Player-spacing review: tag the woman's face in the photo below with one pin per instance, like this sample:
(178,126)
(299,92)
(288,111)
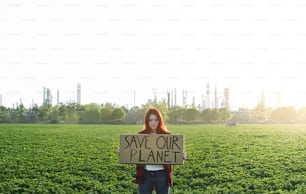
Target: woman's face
(153,122)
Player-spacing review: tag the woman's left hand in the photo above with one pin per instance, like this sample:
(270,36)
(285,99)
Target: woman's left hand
(184,155)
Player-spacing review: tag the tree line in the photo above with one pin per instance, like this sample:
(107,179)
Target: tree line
(109,113)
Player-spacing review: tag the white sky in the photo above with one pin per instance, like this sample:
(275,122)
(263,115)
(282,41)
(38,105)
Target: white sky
(116,47)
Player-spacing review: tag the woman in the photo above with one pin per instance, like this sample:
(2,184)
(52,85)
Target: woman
(154,177)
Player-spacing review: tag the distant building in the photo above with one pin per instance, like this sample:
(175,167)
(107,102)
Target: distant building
(226,103)
(57,97)
(168,100)
(193,102)
(207,103)
(47,96)
(185,98)
(79,93)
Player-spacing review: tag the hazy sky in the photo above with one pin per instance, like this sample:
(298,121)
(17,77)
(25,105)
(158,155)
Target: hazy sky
(116,47)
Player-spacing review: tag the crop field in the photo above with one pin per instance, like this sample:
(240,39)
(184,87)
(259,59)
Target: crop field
(220,159)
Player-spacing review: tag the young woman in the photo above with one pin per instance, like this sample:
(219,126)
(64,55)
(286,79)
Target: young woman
(154,177)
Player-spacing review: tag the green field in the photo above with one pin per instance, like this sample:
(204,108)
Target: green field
(84,159)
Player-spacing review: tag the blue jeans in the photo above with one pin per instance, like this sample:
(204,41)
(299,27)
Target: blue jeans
(157,179)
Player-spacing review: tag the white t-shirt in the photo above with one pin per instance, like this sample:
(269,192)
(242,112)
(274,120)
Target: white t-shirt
(150,167)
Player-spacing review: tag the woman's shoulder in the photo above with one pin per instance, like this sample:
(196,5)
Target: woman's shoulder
(165,132)
(142,131)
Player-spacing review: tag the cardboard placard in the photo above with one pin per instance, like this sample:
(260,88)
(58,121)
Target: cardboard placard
(151,149)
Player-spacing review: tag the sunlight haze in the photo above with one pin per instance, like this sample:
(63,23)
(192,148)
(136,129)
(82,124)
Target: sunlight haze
(128,52)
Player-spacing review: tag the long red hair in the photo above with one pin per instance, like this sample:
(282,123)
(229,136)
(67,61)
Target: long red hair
(162,129)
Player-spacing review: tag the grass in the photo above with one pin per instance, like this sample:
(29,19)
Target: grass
(220,159)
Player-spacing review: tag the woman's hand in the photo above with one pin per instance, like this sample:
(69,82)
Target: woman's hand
(184,155)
